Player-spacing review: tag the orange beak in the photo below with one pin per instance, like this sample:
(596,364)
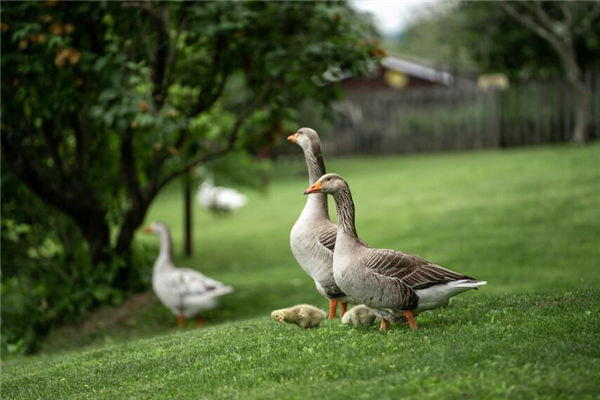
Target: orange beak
(293,138)
(316,187)
(148,229)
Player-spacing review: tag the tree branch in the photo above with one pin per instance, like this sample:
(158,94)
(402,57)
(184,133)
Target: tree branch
(204,102)
(80,141)
(527,21)
(231,139)
(81,128)
(129,168)
(566,12)
(88,214)
(160,57)
(558,41)
(160,17)
(53,147)
(159,159)
(207,96)
(544,20)
(26,169)
(143,35)
(172,58)
(590,17)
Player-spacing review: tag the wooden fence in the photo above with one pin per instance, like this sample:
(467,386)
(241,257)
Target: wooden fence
(441,119)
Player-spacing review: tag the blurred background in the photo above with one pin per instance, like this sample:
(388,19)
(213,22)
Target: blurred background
(114,114)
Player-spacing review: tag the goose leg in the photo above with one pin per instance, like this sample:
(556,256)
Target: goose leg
(332,308)
(384,324)
(199,321)
(343,309)
(180,320)
(410,318)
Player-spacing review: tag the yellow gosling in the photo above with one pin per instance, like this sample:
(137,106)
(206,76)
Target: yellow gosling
(303,315)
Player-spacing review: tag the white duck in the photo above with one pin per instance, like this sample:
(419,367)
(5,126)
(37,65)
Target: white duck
(392,283)
(312,237)
(184,291)
(218,198)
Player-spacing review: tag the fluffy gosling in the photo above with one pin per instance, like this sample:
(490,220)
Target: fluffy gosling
(303,315)
(359,315)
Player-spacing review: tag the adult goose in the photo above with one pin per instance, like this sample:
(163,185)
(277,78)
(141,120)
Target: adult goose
(312,237)
(219,199)
(184,291)
(392,283)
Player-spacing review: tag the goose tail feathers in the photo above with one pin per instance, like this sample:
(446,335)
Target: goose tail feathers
(467,283)
(223,290)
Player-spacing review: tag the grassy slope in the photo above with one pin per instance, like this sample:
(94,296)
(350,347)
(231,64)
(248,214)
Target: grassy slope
(524,220)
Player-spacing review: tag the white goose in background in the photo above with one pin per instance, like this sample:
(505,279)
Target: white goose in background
(218,198)
(392,283)
(184,291)
(312,237)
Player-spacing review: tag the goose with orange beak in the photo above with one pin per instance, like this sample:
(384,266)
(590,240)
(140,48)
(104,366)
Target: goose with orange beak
(184,291)
(312,238)
(395,285)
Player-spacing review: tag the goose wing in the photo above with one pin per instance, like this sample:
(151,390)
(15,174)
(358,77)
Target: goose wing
(399,275)
(327,235)
(412,271)
(189,282)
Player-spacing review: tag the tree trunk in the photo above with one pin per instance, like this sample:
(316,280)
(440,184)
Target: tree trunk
(133,219)
(128,277)
(579,94)
(76,200)
(187,214)
(560,35)
(95,231)
(581,103)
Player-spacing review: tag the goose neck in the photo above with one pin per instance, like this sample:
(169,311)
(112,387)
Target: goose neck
(314,162)
(166,245)
(316,207)
(316,169)
(345,213)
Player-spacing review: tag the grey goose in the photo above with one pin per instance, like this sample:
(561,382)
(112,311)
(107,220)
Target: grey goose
(392,283)
(312,238)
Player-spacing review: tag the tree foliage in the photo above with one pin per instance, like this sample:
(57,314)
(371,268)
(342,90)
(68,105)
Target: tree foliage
(434,35)
(484,36)
(103,104)
(498,42)
(560,26)
(524,39)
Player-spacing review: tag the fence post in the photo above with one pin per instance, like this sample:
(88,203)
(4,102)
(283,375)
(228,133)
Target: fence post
(494,125)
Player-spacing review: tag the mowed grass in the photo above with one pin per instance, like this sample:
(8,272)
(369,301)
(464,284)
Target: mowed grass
(525,220)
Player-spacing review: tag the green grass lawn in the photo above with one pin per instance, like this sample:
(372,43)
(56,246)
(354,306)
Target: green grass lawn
(526,220)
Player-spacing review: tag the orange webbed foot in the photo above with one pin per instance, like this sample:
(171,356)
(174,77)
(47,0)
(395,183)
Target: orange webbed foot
(343,309)
(384,325)
(410,318)
(332,308)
